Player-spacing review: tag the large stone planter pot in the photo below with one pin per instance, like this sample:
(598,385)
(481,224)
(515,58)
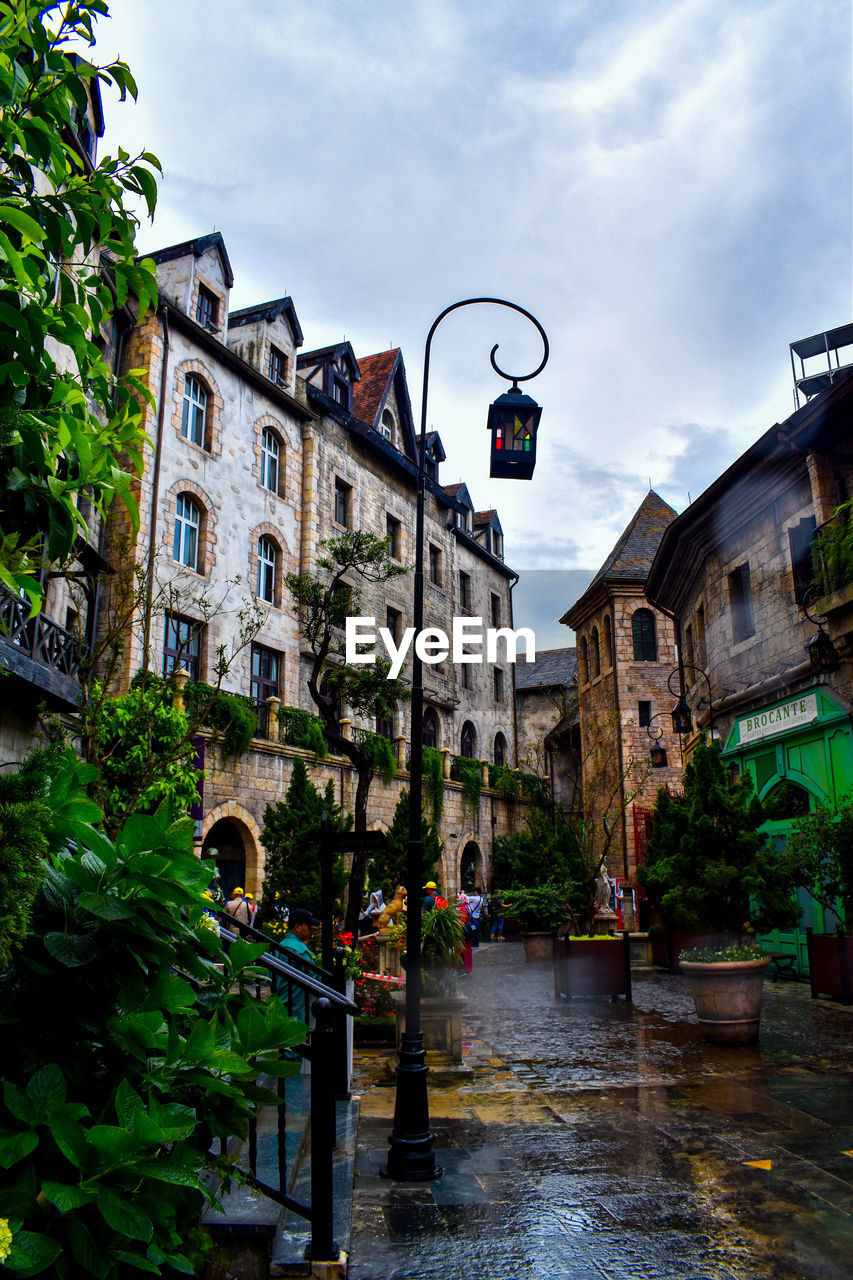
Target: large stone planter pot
(441,1022)
(538,947)
(831,965)
(727,996)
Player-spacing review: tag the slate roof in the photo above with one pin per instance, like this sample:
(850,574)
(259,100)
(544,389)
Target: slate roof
(198,246)
(631,558)
(268,311)
(376,373)
(553,668)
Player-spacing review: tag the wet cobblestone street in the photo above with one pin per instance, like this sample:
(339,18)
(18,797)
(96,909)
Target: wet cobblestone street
(600,1140)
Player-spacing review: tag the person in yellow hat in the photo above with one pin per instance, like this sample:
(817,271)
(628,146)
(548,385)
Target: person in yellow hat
(238,907)
(433,898)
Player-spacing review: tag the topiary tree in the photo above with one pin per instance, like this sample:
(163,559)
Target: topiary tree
(708,867)
(819,854)
(291,837)
(389,867)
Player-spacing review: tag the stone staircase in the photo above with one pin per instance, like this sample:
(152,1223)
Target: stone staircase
(254,1238)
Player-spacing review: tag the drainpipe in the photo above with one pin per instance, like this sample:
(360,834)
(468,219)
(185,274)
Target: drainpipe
(618,733)
(163,312)
(512,585)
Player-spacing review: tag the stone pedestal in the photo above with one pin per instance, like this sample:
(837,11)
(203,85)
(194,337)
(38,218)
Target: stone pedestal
(605,921)
(441,1022)
(387,957)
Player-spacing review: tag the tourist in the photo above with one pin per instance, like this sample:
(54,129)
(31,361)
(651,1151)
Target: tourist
(475,907)
(237,906)
(462,903)
(295,947)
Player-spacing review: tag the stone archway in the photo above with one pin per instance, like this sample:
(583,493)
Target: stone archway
(471,865)
(234,833)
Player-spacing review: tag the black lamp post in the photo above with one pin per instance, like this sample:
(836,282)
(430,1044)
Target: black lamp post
(410,1156)
(657,753)
(819,649)
(682,718)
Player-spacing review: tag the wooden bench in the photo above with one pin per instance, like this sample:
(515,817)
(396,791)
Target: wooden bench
(783,963)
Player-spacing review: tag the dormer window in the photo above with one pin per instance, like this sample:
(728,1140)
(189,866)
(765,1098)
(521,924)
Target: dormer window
(430,465)
(463,520)
(277,367)
(207,309)
(341,391)
(498,544)
(386,425)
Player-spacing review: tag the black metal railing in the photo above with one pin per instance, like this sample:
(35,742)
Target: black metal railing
(296,981)
(38,638)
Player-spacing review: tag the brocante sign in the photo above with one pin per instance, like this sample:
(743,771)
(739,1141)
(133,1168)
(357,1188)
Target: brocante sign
(789,715)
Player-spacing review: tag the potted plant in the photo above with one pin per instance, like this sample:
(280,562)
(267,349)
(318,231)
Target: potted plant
(592,965)
(539,910)
(442,940)
(820,856)
(710,871)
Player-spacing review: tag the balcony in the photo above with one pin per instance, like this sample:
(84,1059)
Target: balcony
(38,650)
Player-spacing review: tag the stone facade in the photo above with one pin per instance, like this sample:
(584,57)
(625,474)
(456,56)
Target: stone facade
(259,454)
(626,657)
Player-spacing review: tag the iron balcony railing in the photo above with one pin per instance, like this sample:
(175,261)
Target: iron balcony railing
(38,638)
(325,1048)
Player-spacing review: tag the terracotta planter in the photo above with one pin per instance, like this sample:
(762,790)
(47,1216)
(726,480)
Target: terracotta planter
(831,965)
(727,996)
(538,947)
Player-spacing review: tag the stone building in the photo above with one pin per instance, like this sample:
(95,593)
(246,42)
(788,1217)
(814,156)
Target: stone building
(625,657)
(260,453)
(546,695)
(734,572)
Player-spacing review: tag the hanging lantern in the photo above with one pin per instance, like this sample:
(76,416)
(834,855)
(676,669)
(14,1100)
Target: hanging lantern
(821,652)
(682,720)
(658,756)
(513,422)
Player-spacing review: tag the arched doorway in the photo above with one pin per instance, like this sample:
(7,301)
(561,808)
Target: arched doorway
(469,867)
(224,836)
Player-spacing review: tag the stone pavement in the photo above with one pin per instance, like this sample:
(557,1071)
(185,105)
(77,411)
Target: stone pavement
(596,1140)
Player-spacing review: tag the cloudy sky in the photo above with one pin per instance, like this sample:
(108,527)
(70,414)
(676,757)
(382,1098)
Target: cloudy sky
(665,184)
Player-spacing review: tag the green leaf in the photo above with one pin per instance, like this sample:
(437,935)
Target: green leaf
(128,1104)
(15,1146)
(136,1260)
(31,1253)
(123,1216)
(65,1197)
(90,1256)
(47,1086)
(112,1142)
(71,1140)
(71,949)
(22,222)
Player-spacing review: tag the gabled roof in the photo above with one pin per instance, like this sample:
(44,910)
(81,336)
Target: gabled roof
(631,558)
(369,396)
(459,493)
(551,669)
(269,311)
(434,447)
(198,248)
(325,355)
(483,519)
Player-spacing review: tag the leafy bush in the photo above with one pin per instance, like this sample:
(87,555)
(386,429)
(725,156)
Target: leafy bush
(503,780)
(233,719)
(707,866)
(433,776)
(819,855)
(145,1050)
(719,955)
(381,754)
(390,865)
(543,907)
(832,551)
(25,821)
(141,741)
(291,837)
(470,774)
(302,729)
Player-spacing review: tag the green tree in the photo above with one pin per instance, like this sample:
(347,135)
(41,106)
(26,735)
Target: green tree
(708,867)
(291,837)
(819,854)
(25,820)
(132,1043)
(68,425)
(324,601)
(389,867)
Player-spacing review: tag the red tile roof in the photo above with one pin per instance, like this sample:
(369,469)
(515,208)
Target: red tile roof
(375,375)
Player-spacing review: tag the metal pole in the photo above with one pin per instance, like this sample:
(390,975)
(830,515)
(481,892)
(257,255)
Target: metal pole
(323,1246)
(410,1156)
(326,903)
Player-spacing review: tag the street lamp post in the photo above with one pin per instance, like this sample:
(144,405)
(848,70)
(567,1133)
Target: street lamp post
(681,714)
(515,416)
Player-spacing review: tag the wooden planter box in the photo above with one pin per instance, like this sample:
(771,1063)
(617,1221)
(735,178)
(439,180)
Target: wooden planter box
(831,965)
(589,967)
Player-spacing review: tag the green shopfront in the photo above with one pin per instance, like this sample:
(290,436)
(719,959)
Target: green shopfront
(800,754)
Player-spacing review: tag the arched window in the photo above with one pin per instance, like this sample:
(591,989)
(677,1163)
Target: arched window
(596,654)
(386,425)
(500,749)
(194,411)
(185,548)
(583,661)
(608,642)
(468,744)
(270,460)
(430,729)
(643,633)
(267,569)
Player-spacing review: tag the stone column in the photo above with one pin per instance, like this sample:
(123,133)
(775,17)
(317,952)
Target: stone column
(180,678)
(273,727)
(445,762)
(400,753)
